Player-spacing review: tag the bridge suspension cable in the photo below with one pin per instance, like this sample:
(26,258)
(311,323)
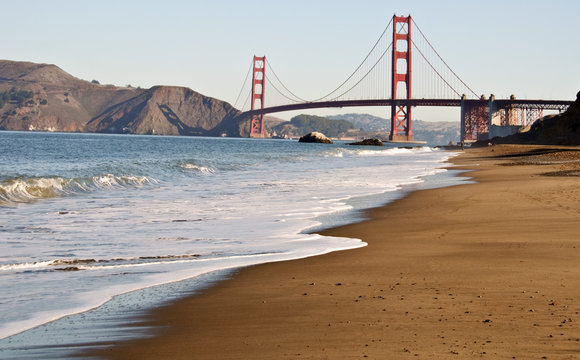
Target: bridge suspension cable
(360,65)
(296,98)
(362,78)
(246,105)
(279,92)
(433,68)
(450,70)
(244,87)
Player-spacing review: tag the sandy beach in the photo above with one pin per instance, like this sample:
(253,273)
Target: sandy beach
(489,269)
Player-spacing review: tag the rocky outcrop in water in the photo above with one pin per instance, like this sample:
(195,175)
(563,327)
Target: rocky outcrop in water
(368,142)
(315,137)
(42,97)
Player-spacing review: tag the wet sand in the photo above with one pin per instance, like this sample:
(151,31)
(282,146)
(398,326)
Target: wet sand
(484,270)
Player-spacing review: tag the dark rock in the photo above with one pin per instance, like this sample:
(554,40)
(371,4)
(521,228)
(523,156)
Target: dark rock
(315,137)
(369,142)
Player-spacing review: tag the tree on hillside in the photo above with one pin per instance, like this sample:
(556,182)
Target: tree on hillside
(3,99)
(20,97)
(331,128)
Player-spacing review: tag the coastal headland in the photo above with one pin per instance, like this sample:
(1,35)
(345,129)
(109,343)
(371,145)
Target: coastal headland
(487,269)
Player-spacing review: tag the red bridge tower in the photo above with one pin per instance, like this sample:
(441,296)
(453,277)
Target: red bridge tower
(258,81)
(401,111)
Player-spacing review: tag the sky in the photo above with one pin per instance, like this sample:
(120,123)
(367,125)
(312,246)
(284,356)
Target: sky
(527,48)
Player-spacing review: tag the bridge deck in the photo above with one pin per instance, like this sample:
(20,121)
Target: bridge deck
(500,103)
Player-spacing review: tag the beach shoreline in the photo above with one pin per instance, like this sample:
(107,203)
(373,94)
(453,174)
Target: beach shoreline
(478,269)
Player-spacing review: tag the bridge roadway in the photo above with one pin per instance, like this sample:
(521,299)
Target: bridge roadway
(559,105)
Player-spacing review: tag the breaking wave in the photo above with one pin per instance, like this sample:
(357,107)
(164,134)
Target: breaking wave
(197,168)
(90,264)
(23,190)
(342,152)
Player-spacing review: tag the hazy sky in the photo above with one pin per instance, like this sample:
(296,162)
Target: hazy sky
(527,48)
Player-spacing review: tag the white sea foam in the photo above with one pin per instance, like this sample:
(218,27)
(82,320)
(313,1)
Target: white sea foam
(25,266)
(376,151)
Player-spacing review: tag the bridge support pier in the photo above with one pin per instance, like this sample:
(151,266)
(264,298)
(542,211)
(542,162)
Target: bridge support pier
(518,115)
(258,82)
(401,111)
(401,123)
(475,118)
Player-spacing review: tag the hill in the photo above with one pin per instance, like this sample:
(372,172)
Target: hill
(437,132)
(43,97)
(167,110)
(364,122)
(304,124)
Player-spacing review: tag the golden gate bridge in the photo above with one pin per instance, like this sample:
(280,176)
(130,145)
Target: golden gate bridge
(401,72)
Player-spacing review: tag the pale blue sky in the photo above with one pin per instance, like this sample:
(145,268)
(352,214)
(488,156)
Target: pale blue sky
(528,48)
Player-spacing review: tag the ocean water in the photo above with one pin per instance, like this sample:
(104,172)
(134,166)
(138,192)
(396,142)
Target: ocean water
(86,217)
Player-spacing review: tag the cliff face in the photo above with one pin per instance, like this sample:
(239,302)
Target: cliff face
(167,110)
(60,102)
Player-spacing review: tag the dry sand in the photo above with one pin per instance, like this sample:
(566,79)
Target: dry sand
(485,270)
